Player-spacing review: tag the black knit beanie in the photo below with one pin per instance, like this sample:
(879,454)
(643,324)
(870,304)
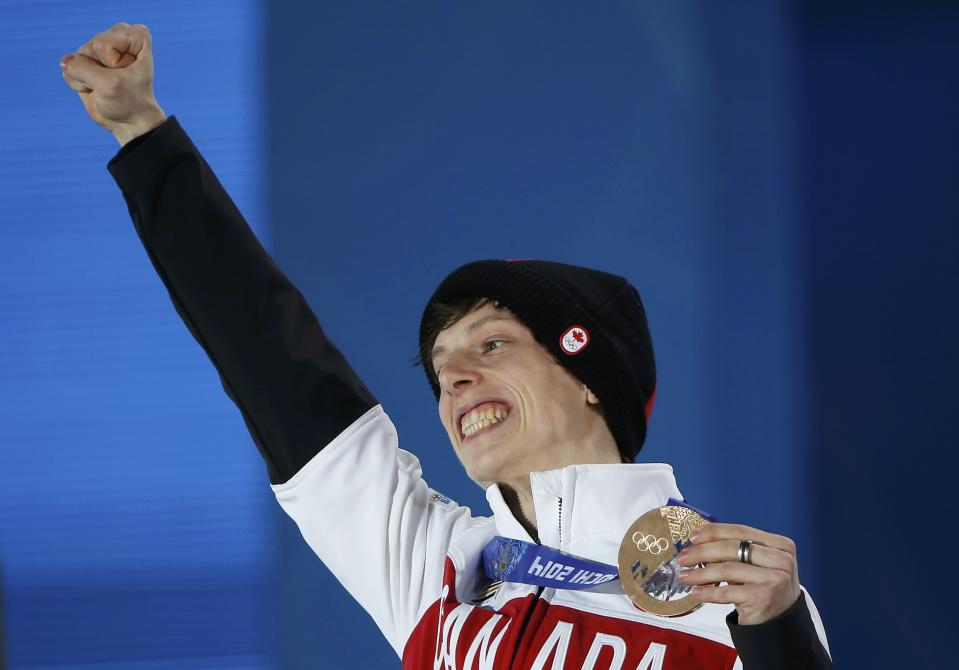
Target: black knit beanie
(592,322)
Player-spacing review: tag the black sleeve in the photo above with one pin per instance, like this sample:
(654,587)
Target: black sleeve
(783,643)
(294,389)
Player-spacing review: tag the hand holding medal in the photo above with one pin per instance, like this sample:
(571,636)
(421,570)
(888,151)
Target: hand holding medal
(749,568)
(672,559)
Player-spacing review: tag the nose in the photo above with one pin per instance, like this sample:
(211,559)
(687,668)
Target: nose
(459,373)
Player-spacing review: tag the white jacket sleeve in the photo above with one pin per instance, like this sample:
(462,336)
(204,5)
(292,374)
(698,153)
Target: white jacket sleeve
(330,450)
(362,505)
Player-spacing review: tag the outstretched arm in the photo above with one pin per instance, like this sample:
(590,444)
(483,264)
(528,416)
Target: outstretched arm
(360,502)
(295,390)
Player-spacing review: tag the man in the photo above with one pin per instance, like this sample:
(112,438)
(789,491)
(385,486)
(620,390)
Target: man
(545,378)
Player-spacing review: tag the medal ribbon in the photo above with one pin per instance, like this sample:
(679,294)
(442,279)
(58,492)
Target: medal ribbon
(509,560)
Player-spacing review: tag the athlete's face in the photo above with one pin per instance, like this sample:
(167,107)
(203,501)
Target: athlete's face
(509,408)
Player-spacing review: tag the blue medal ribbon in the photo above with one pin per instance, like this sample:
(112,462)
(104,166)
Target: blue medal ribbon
(509,560)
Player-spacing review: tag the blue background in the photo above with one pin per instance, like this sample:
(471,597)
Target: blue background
(777,179)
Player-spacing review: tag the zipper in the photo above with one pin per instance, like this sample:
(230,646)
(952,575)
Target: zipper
(560,547)
(539,591)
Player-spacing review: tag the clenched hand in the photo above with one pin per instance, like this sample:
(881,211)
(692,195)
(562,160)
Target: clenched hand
(113,75)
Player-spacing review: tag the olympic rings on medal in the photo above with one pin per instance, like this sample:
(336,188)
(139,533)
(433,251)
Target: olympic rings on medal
(650,543)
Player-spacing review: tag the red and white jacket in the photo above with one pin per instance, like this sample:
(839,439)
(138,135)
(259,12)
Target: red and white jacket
(416,564)
(409,555)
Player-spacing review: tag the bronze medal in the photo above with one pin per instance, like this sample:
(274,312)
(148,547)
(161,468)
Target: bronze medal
(648,568)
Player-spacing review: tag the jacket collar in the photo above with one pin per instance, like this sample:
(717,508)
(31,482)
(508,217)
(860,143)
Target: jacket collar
(586,509)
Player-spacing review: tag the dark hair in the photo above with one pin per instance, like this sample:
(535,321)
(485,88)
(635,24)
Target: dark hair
(439,317)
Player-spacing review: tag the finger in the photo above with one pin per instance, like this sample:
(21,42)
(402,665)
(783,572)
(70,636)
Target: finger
(733,573)
(88,72)
(117,47)
(733,531)
(86,49)
(728,550)
(125,38)
(109,52)
(730,594)
(76,85)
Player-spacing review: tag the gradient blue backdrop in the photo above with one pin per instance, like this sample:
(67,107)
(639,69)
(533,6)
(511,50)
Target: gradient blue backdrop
(777,179)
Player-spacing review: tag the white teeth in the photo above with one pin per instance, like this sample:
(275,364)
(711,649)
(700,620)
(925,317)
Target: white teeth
(478,420)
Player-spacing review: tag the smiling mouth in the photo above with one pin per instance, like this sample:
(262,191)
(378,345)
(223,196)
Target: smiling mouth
(482,417)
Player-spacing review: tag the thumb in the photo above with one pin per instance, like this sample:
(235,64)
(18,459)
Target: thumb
(87,71)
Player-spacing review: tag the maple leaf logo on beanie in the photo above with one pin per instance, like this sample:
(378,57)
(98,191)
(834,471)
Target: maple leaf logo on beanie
(574,340)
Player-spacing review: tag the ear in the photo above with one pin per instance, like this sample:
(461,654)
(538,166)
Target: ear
(591,398)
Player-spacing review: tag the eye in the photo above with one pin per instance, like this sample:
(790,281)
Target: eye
(492,345)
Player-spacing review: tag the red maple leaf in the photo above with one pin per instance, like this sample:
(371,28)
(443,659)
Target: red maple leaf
(578,336)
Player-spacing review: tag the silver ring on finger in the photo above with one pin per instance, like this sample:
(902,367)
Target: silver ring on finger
(745,551)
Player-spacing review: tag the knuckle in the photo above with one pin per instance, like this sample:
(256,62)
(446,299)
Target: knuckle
(792,566)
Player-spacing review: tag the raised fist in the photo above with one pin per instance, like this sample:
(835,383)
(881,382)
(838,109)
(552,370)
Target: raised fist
(113,75)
